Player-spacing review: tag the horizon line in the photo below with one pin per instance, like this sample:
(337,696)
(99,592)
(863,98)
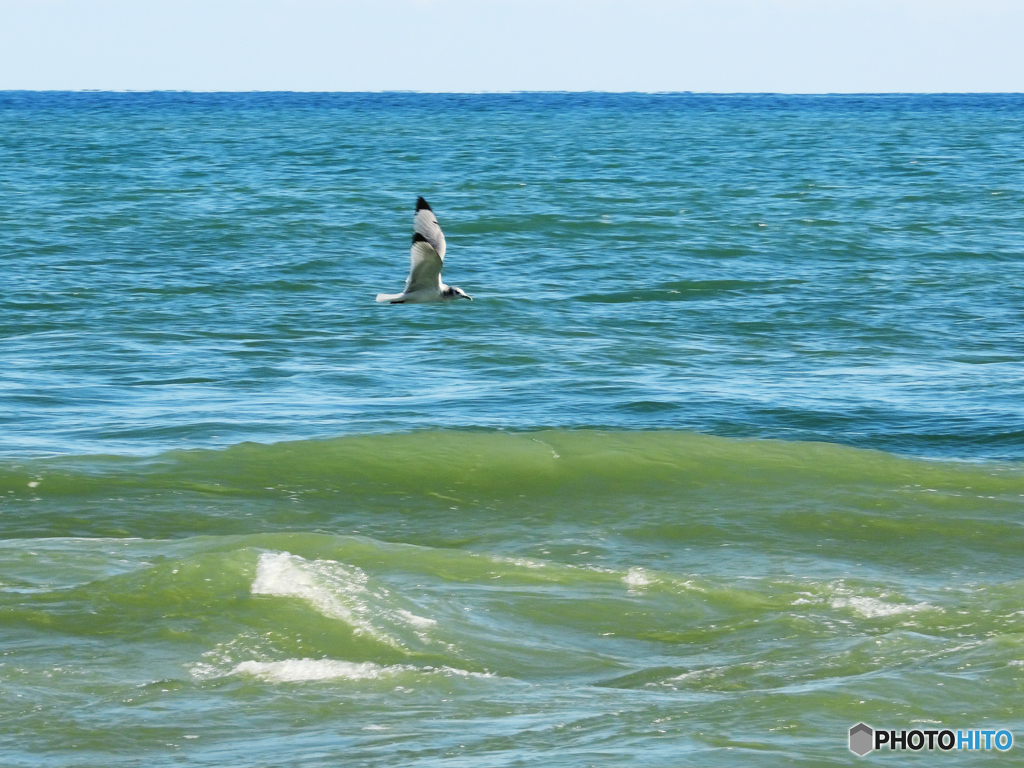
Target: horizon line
(405,91)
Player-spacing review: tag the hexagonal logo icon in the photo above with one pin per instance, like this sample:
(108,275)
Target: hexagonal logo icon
(862,739)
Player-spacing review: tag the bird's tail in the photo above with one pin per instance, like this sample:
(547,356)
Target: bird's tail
(388,296)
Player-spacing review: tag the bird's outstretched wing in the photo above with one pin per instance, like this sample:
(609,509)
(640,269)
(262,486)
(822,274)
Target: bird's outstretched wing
(425,267)
(425,224)
(428,246)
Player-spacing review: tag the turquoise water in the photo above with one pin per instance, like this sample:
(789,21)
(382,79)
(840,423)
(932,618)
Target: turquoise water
(723,458)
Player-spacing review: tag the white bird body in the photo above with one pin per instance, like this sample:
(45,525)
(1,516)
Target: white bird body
(426,261)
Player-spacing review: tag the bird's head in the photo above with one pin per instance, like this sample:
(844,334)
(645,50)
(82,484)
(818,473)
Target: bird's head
(458,293)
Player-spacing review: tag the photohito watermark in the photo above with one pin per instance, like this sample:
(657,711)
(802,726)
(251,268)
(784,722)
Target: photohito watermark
(864,739)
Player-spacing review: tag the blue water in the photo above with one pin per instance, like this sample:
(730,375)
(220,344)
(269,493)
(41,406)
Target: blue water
(185,269)
(723,458)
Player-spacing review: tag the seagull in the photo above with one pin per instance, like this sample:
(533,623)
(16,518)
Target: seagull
(424,280)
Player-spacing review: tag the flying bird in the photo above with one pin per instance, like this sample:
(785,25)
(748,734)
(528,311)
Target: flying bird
(424,280)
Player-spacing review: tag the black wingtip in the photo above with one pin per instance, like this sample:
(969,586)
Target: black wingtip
(418,238)
(421,204)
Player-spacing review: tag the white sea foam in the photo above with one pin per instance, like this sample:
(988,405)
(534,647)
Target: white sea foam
(637,578)
(873,607)
(333,589)
(414,620)
(308,670)
(338,591)
(520,562)
(839,596)
(300,670)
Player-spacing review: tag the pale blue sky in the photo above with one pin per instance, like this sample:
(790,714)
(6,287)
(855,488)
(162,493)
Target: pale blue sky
(794,46)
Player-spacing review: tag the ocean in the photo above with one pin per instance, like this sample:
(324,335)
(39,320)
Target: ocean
(724,457)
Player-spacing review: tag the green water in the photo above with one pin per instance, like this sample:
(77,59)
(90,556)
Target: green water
(572,597)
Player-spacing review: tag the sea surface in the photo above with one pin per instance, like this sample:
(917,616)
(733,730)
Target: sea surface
(725,456)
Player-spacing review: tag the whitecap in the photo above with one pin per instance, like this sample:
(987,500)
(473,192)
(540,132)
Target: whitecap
(337,591)
(282,574)
(311,670)
(872,607)
(636,578)
(302,670)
